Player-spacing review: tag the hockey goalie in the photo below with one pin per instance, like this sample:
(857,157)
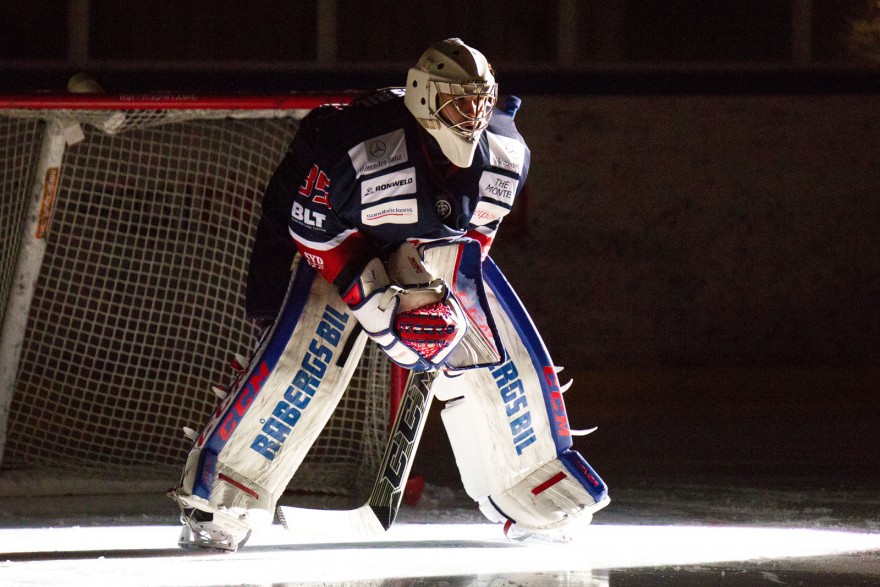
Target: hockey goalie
(377,225)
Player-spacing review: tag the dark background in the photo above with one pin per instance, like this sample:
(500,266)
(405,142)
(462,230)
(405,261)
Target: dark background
(699,238)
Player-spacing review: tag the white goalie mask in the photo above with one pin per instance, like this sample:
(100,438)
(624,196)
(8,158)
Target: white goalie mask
(452,91)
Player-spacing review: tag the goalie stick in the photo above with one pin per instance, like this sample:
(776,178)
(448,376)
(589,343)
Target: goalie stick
(378,514)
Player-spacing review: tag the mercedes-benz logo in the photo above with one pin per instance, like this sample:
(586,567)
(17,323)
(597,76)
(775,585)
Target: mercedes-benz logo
(377,149)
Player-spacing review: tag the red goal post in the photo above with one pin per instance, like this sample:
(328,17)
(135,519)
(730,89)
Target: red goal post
(126,227)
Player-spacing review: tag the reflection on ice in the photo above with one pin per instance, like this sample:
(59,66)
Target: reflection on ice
(409,554)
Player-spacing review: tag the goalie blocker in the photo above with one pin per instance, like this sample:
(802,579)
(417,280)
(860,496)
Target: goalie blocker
(505,415)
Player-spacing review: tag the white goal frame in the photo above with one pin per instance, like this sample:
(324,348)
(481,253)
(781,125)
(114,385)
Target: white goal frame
(42,192)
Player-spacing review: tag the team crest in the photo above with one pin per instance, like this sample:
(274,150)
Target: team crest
(443,208)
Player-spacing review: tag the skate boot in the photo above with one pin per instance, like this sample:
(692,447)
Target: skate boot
(207,531)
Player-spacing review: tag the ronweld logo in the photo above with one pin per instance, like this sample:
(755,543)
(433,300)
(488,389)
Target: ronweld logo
(391,184)
(515,405)
(388,186)
(287,411)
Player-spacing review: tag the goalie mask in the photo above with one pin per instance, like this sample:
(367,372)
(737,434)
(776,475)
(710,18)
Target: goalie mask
(452,91)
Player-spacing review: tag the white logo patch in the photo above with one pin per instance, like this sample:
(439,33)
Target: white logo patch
(378,153)
(487,212)
(397,212)
(506,153)
(386,186)
(498,187)
(314,260)
(308,217)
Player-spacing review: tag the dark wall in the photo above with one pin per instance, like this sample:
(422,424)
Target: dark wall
(701,230)
(707,269)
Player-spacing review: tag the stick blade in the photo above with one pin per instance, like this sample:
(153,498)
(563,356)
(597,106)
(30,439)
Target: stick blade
(359,522)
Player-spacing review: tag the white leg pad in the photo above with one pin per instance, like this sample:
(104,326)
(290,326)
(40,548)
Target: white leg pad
(548,499)
(466,436)
(510,434)
(261,432)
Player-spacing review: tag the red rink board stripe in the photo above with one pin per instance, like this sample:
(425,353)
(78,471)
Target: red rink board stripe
(304,101)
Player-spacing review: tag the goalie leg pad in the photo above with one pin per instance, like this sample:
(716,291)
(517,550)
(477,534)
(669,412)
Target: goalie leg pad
(510,433)
(549,498)
(276,408)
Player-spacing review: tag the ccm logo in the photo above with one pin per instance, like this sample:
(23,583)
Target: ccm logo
(243,402)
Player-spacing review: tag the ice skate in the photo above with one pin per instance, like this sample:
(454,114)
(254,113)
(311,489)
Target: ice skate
(207,531)
(515,534)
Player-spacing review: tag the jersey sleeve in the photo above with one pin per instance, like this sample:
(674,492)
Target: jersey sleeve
(500,184)
(330,244)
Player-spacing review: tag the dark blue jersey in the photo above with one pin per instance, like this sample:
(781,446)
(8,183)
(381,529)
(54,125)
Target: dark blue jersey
(361,179)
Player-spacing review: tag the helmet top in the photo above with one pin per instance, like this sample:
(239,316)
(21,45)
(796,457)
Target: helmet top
(451,91)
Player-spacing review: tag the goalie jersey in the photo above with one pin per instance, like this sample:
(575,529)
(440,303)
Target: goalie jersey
(360,179)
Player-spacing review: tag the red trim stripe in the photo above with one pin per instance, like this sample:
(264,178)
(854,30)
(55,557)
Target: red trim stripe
(172,102)
(238,485)
(485,240)
(549,483)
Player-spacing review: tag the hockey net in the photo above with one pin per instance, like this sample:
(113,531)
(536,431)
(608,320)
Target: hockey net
(138,304)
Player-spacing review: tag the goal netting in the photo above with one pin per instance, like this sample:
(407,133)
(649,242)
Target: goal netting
(131,220)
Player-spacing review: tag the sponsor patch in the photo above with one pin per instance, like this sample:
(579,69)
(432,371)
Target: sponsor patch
(397,212)
(47,202)
(487,212)
(498,187)
(506,153)
(305,217)
(387,186)
(378,153)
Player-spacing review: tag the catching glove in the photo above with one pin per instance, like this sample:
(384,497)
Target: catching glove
(417,324)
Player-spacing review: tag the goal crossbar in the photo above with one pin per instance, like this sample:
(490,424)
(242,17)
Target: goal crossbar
(170,101)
